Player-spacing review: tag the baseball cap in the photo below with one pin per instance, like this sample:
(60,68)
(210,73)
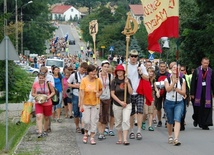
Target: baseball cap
(105,62)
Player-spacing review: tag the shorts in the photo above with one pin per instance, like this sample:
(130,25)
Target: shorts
(45,110)
(75,107)
(159,102)
(104,111)
(174,111)
(67,100)
(137,102)
(148,109)
(111,112)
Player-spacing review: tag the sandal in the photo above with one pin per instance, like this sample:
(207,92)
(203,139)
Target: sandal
(119,142)
(85,139)
(92,141)
(151,128)
(143,126)
(154,121)
(126,143)
(131,136)
(111,133)
(138,136)
(78,130)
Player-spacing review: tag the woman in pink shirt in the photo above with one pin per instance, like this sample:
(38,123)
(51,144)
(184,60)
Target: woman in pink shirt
(43,110)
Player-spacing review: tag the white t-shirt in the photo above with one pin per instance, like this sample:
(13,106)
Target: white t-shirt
(134,76)
(171,95)
(73,80)
(106,90)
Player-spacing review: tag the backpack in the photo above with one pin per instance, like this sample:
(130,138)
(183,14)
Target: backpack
(55,98)
(160,82)
(109,78)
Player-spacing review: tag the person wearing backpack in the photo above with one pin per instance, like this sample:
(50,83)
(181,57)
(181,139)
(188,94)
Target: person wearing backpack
(136,71)
(58,82)
(202,92)
(174,104)
(105,98)
(74,82)
(161,75)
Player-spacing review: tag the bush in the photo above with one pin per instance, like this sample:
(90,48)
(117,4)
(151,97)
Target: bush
(19,82)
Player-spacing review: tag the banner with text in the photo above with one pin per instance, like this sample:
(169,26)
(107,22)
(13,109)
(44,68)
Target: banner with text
(161,19)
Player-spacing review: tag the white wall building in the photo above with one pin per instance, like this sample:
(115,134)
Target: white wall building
(65,13)
(137,12)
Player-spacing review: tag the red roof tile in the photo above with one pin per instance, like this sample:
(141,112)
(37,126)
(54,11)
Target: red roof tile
(60,9)
(136,9)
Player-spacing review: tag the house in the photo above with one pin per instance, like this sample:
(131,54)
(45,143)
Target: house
(65,13)
(137,12)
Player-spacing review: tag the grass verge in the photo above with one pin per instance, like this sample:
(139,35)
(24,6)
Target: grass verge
(15,133)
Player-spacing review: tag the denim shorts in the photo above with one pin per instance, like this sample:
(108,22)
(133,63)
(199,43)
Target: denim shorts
(174,110)
(75,106)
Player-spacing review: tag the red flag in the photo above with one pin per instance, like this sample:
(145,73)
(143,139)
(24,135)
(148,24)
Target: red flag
(161,19)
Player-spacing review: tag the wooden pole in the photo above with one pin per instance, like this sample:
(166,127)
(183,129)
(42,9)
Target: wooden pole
(93,29)
(128,31)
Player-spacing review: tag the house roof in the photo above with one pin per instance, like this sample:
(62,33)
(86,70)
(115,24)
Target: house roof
(136,9)
(60,9)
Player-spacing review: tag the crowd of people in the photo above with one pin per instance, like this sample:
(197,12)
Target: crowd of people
(104,98)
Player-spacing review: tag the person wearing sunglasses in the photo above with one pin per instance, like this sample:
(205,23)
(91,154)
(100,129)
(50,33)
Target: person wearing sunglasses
(136,71)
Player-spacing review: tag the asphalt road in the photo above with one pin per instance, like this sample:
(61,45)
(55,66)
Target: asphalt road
(194,141)
(72,34)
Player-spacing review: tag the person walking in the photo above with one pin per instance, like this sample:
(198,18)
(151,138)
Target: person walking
(90,92)
(105,98)
(44,110)
(74,82)
(174,105)
(136,71)
(201,91)
(122,109)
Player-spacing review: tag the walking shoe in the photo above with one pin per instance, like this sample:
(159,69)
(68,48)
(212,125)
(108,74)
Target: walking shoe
(143,126)
(159,124)
(151,128)
(176,142)
(101,137)
(170,140)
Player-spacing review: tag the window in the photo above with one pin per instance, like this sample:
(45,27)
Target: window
(72,10)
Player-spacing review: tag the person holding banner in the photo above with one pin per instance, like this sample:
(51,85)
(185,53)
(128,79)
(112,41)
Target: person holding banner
(174,105)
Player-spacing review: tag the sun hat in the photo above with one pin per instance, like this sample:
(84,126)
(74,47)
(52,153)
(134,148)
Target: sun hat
(105,62)
(133,52)
(119,68)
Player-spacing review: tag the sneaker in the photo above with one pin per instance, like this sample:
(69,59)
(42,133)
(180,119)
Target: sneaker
(170,140)
(101,137)
(59,120)
(151,128)
(176,142)
(143,126)
(159,124)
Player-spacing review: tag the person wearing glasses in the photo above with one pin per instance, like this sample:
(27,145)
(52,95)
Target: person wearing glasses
(136,71)
(44,110)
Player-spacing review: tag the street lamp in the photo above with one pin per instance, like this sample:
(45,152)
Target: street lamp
(22,25)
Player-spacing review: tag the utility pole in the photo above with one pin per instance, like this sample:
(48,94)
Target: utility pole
(17,47)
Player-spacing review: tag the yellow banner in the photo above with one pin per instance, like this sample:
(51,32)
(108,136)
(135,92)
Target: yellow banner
(157,11)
